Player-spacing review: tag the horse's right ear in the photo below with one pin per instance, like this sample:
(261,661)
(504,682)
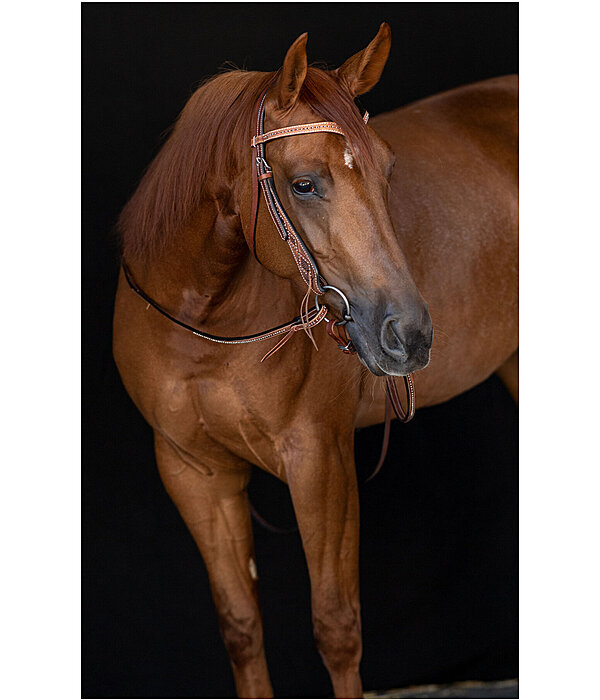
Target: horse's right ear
(293,73)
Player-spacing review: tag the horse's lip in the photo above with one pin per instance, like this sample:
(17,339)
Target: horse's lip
(390,374)
(406,372)
(374,364)
(362,350)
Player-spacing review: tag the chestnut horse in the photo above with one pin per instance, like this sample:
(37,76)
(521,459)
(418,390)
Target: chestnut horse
(441,226)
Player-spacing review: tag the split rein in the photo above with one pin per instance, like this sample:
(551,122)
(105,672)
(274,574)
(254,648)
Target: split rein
(262,176)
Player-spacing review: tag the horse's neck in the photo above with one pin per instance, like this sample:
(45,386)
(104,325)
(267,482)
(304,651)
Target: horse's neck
(208,277)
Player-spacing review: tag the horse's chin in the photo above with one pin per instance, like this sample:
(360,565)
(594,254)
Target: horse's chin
(371,365)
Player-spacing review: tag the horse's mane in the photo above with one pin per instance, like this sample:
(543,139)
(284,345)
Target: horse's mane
(212,137)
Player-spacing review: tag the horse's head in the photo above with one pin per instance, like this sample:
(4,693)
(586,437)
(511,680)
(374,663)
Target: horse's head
(335,191)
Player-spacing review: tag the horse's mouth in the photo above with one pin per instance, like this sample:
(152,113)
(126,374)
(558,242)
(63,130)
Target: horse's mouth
(383,368)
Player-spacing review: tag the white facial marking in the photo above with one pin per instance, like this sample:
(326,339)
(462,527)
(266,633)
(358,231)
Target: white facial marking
(252,567)
(348,158)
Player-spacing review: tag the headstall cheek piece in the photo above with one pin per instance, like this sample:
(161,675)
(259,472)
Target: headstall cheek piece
(262,176)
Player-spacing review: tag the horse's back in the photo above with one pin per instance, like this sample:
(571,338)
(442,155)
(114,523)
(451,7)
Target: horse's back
(454,204)
(484,114)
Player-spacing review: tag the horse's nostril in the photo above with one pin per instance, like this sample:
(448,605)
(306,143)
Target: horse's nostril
(391,338)
(401,341)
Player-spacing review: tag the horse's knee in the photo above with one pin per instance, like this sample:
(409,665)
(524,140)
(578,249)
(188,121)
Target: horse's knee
(242,636)
(338,638)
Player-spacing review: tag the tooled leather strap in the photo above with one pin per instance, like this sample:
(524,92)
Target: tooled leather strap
(392,394)
(392,401)
(330,127)
(263,174)
(304,261)
(385,443)
(341,337)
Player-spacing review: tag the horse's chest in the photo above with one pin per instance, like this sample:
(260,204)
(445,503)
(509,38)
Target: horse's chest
(197,412)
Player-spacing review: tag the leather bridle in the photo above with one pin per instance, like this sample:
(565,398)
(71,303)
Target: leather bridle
(262,176)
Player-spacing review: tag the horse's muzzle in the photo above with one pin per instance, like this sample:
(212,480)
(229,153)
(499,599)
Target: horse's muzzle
(402,345)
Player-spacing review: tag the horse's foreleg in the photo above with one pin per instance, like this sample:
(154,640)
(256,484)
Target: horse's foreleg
(214,506)
(325,497)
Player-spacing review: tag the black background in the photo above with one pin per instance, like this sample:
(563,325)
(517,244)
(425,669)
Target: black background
(439,524)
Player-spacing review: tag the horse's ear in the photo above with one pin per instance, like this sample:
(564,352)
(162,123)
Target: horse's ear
(293,73)
(362,71)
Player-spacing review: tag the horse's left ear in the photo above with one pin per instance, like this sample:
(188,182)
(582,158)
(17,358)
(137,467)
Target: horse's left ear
(363,70)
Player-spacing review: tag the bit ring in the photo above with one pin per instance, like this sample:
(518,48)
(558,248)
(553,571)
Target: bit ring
(347,316)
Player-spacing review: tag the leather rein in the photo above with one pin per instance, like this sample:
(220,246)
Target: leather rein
(262,176)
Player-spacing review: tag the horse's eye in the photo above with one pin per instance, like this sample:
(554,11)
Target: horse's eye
(303,186)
